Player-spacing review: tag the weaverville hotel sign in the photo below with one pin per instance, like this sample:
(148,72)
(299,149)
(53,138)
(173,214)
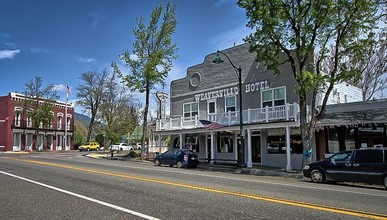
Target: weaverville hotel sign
(250,87)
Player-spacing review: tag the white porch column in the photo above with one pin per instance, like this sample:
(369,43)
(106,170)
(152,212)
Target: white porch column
(212,146)
(249,150)
(181,140)
(160,143)
(288,164)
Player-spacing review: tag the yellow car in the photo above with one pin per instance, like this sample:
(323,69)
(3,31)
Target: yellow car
(89,146)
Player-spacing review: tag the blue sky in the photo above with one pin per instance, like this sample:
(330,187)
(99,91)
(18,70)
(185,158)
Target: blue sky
(60,39)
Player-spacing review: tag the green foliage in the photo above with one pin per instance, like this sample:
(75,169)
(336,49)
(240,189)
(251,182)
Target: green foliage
(100,139)
(90,93)
(310,33)
(133,154)
(151,57)
(118,111)
(38,105)
(309,82)
(333,30)
(153,50)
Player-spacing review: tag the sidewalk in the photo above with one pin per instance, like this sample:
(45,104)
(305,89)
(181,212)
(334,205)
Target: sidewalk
(256,170)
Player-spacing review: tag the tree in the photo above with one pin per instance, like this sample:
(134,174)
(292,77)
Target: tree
(153,52)
(80,133)
(90,95)
(336,30)
(374,67)
(38,105)
(118,112)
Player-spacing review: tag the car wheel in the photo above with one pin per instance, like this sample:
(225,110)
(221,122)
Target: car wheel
(97,148)
(317,176)
(121,149)
(179,164)
(157,163)
(385,182)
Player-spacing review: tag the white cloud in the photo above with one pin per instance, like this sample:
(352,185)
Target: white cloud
(4,35)
(38,50)
(133,57)
(60,88)
(8,54)
(97,15)
(229,38)
(86,60)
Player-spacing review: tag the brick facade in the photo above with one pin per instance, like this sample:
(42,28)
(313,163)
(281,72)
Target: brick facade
(18,133)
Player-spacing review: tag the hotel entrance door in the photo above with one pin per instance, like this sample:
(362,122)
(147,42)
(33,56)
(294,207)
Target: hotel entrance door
(256,148)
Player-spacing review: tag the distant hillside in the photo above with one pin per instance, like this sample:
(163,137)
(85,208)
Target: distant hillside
(85,120)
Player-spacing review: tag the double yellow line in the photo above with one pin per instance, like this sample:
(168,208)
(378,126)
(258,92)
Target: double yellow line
(343,211)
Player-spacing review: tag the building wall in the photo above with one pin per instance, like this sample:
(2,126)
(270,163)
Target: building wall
(4,122)
(209,81)
(9,129)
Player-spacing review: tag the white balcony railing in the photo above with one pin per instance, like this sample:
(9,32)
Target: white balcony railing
(250,116)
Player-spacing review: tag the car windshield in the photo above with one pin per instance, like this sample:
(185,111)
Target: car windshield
(342,156)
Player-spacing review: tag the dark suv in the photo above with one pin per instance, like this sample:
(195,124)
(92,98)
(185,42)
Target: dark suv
(361,165)
(178,157)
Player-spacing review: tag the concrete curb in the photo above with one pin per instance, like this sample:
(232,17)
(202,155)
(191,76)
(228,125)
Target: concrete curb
(220,168)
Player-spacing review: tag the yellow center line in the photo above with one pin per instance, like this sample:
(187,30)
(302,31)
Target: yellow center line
(331,209)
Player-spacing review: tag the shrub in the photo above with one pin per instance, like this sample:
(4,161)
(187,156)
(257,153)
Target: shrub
(132,154)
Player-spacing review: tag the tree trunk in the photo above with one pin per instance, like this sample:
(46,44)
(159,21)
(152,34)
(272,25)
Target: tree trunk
(144,124)
(90,128)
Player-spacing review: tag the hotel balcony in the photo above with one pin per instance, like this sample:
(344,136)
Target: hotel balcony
(287,112)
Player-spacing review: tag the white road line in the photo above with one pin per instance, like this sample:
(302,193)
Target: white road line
(252,179)
(84,197)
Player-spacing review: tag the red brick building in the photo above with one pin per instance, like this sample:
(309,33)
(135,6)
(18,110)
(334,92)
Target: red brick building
(18,133)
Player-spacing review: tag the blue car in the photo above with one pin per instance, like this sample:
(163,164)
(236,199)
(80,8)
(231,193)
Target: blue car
(179,157)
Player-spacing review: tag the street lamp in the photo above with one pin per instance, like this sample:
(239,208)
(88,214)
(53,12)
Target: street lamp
(218,60)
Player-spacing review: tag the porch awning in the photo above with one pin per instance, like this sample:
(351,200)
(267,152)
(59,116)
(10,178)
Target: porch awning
(353,118)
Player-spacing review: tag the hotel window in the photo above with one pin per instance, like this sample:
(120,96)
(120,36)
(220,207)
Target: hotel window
(190,110)
(211,110)
(231,104)
(273,97)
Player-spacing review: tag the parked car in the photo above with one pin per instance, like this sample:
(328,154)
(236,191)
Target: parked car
(89,146)
(179,157)
(361,165)
(121,147)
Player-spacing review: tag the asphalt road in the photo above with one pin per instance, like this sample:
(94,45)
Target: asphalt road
(71,186)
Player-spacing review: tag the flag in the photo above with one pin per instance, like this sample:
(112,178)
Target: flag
(68,89)
(210,125)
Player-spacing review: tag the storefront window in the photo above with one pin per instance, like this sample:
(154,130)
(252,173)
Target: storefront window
(277,144)
(340,139)
(225,143)
(192,143)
